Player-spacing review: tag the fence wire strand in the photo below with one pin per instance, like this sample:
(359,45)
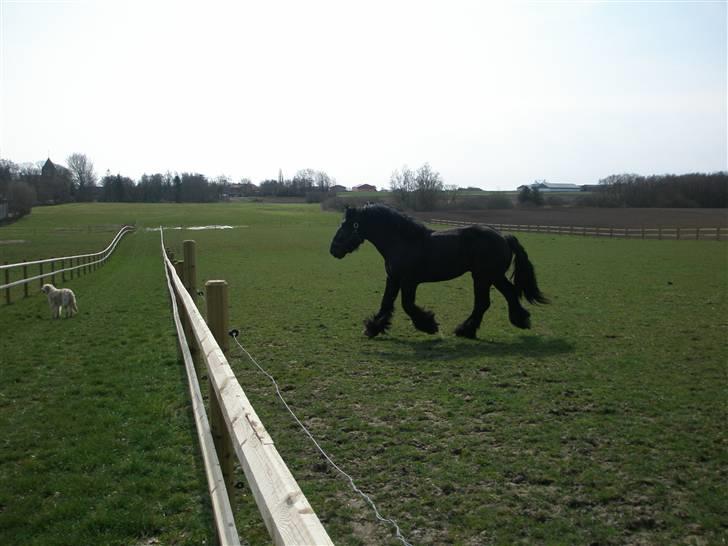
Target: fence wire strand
(355,488)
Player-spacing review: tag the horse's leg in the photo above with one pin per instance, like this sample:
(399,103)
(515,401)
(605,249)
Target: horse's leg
(518,316)
(481,291)
(423,320)
(382,320)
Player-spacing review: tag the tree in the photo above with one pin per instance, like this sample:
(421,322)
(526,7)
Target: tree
(530,196)
(524,195)
(402,185)
(303,182)
(8,173)
(21,197)
(428,184)
(84,178)
(322,181)
(177,189)
(118,189)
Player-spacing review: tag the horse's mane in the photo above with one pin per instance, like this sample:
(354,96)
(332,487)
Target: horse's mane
(408,227)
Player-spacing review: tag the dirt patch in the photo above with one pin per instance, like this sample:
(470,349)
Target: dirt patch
(590,217)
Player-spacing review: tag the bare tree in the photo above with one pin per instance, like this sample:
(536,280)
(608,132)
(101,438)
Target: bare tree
(429,186)
(322,180)
(84,177)
(402,184)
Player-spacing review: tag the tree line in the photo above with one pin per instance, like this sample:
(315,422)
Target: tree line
(706,190)
(44,183)
(26,185)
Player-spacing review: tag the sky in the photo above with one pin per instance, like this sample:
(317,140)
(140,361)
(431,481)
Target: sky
(490,94)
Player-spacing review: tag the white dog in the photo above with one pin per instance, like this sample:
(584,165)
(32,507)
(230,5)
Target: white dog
(60,299)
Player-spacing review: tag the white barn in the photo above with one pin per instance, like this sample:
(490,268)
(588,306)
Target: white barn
(545,187)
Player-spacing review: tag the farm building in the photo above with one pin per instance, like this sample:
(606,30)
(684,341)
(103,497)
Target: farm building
(551,187)
(364,187)
(337,188)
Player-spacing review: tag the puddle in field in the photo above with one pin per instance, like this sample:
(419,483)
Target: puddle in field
(196,228)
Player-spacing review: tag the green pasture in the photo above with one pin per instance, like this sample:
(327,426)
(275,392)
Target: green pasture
(604,424)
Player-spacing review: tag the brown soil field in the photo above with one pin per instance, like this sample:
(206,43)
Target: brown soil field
(590,217)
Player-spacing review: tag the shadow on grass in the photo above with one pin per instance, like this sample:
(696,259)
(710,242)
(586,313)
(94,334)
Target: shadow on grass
(398,348)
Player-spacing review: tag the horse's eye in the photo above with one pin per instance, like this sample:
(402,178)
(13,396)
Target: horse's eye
(356,225)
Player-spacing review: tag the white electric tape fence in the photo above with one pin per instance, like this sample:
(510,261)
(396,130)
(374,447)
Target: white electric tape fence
(234,334)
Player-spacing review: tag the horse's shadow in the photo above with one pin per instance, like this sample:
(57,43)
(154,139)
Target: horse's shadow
(443,348)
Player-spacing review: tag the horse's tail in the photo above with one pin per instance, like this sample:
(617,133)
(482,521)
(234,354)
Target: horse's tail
(524,276)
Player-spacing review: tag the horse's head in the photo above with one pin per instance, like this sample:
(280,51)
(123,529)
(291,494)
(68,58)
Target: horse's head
(348,237)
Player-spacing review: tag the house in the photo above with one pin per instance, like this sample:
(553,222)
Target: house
(337,188)
(364,187)
(545,187)
(56,184)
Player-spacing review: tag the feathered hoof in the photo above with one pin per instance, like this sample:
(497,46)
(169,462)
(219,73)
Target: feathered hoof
(521,320)
(465,330)
(426,323)
(374,326)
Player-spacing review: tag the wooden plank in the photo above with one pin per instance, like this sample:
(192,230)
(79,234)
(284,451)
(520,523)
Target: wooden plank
(286,512)
(221,509)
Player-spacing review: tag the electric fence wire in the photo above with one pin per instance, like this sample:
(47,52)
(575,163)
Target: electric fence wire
(367,498)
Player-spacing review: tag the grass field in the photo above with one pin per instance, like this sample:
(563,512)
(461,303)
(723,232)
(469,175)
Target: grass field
(605,424)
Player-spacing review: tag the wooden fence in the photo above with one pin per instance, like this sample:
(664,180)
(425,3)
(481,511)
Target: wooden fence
(234,427)
(666,233)
(71,265)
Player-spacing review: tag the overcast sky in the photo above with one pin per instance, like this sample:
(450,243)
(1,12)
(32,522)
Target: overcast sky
(490,94)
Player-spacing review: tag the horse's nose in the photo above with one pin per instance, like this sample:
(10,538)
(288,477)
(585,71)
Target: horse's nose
(336,251)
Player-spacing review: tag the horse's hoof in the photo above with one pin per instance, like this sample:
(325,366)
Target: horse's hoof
(428,328)
(370,333)
(521,319)
(464,331)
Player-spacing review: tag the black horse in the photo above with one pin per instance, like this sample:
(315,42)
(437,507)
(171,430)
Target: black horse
(414,254)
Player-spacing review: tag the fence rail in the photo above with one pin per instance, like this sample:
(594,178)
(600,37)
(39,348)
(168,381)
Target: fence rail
(286,512)
(221,508)
(641,232)
(84,263)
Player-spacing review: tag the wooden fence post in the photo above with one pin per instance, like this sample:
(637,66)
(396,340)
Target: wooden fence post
(697,233)
(63,270)
(190,268)
(40,280)
(659,232)
(53,269)
(7,281)
(25,284)
(717,233)
(678,233)
(216,298)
